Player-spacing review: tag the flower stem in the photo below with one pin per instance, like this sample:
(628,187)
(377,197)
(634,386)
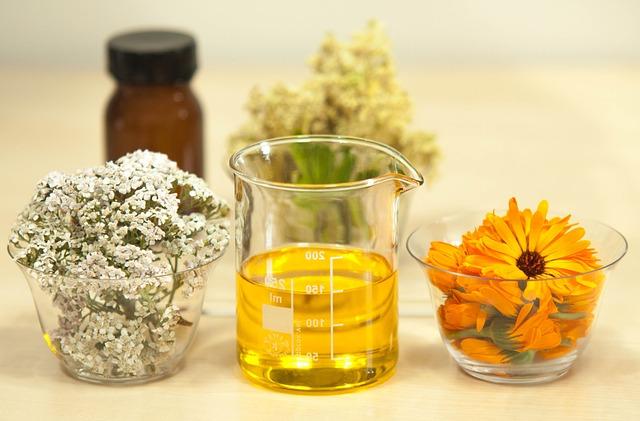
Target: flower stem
(176,283)
(467,333)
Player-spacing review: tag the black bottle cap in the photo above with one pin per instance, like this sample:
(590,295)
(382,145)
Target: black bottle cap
(152,57)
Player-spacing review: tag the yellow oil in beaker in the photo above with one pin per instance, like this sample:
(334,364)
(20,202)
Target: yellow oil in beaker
(317,318)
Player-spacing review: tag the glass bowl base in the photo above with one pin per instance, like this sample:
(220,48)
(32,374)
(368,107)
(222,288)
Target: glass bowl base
(118,381)
(530,373)
(537,378)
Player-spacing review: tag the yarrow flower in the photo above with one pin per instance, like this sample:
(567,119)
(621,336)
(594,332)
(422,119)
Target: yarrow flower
(112,245)
(128,218)
(353,91)
(519,286)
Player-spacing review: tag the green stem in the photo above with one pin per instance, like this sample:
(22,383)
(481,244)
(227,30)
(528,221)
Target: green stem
(499,332)
(176,283)
(468,333)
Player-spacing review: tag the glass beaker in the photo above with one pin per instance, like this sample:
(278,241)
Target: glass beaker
(316,243)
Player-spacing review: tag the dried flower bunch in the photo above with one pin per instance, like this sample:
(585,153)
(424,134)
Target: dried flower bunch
(112,246)
(353,92)
(539,293)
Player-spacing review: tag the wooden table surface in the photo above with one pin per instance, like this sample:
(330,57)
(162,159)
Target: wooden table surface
(567,134)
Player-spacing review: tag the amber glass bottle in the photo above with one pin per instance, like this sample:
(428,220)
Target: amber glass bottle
(153,106)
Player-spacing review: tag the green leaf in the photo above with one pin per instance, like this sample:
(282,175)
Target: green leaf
(526,357)
(467,333)
(345,168)
(500,333)
(566,342)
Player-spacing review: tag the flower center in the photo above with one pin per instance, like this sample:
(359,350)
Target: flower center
(531,263)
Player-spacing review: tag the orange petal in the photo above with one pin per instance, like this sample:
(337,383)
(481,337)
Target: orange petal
(551,234)
(506,271)
(572,265)
(569,250)
(507,235)
(509,289)
(444,255)
(475,263)
(482,350)
(535,289)
(480,321)
(503,249)
(513,216)
(536,224)
(497,300)
(522,314)
(564,242)
(526,216)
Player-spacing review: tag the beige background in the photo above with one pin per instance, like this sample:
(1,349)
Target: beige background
(537,101)
(569,134)
(71,33)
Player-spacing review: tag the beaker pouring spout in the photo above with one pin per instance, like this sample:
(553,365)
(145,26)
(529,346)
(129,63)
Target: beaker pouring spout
(405,175)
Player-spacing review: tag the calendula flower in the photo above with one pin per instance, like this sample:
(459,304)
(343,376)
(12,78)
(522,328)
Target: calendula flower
(448,257)
(533,329)
(571,331)
(455,315)
(505,296)
(483,350)
(526,245)
(519,285)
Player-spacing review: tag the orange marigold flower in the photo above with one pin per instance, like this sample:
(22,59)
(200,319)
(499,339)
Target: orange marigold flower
(571,331)
(505,296)
(540,295)
(457,316)
(533,329)
(581,292)
(483,350)
(448,257)
(526,245)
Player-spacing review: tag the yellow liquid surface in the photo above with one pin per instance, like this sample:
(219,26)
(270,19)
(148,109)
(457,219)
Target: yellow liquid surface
(317,318)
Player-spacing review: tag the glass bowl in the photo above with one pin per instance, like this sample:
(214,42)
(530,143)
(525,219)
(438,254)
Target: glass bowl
(492,330)
(119,331)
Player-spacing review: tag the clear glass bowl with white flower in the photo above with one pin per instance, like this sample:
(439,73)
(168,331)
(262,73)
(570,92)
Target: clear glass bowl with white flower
(117,258)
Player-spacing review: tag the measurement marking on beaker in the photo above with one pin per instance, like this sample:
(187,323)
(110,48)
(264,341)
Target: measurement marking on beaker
(293,324)
(331,259)
(275,299)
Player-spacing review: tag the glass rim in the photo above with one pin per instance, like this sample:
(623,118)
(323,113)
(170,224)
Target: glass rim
(142,278)
(414,179)
(420,260)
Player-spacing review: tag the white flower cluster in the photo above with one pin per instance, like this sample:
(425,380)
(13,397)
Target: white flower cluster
(113,346)
(353,90)
(116,248)
(129,218)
